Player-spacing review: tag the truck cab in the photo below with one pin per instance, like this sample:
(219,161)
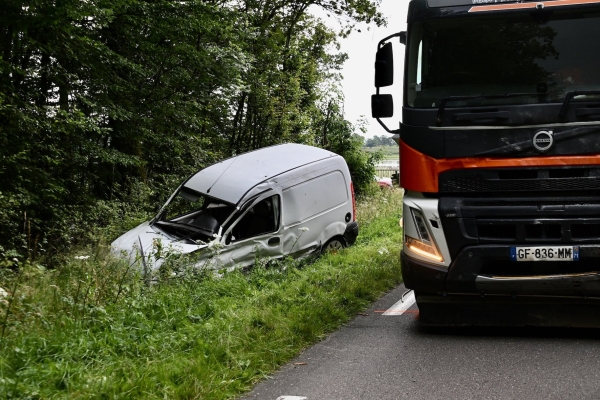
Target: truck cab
(499,156)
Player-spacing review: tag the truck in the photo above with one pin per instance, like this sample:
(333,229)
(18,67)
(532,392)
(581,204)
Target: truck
(499,159)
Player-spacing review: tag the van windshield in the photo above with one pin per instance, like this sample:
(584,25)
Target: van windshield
(193,216)
(520,53)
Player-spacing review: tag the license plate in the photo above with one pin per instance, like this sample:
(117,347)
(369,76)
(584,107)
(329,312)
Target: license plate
(545,253)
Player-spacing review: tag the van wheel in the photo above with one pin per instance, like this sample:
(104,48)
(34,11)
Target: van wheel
(333,245)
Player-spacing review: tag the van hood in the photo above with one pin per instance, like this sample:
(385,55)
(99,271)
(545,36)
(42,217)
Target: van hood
(153,243)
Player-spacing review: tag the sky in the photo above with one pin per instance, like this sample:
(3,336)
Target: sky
(359,70)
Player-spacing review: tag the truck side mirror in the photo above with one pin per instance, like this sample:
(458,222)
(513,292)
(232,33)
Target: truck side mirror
(382,106)
(402,37)
(384,66)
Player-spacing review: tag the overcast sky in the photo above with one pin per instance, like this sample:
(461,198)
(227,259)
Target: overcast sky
(359,69)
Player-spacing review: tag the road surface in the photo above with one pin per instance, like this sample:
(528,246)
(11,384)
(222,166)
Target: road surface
(387,355)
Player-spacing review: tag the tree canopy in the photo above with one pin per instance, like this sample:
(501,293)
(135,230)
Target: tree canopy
(107,104)
(383,140)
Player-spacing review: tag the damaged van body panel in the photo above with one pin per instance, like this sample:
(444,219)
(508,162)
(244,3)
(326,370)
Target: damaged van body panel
(282,200)
(142,245)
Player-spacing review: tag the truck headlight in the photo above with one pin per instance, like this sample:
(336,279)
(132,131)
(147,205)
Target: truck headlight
(424,245)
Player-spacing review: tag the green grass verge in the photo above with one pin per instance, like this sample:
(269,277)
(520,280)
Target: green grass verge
(91,330)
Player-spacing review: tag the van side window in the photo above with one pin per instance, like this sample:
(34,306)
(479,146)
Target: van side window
(260,219)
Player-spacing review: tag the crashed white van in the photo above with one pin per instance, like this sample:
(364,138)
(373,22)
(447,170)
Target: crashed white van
(288,199)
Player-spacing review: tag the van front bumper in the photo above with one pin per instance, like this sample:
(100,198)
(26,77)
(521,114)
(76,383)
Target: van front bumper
(488,270)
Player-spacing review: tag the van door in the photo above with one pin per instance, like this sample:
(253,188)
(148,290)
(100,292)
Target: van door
(255,233)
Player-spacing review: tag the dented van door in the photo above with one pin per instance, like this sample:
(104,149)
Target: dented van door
(255,234)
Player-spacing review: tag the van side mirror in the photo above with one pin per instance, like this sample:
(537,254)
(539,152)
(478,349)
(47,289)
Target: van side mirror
(403,37)
(382,106)
(384,66)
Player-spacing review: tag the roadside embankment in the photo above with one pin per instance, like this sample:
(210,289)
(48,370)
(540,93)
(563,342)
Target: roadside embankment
(93,329)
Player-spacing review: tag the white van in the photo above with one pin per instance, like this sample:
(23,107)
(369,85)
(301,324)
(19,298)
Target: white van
(288,199)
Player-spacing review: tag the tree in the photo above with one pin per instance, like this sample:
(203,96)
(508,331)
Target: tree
(382,140)
(100,98)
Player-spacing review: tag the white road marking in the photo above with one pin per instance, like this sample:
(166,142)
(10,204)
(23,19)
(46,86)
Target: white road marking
(291,398)
(401,306)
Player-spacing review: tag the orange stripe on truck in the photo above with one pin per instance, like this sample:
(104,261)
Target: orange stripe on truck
(420,172)
(531,5)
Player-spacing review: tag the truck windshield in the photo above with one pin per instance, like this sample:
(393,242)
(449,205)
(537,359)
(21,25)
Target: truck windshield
(547,57)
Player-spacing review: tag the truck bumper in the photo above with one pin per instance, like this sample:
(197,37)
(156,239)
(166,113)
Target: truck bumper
(475,310)
(421,276)
(488,270)
(482,287)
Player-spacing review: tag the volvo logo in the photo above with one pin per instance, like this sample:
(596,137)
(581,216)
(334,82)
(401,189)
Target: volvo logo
(543,140)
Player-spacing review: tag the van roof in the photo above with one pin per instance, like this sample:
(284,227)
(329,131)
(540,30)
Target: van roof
(229,180)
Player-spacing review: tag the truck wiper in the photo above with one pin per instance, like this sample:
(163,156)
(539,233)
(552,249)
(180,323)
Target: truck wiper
(442,108)
(568,97)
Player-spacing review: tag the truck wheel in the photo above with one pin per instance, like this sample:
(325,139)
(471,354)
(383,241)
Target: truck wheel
(333,245)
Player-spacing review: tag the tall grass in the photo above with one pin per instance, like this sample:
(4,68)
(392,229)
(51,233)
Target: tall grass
(92,329)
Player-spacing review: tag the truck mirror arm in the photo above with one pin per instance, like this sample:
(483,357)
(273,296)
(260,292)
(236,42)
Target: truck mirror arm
(401,35)
(396,131)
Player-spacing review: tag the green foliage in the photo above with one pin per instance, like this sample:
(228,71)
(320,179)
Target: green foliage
(360,163)
(92,329)
(102,101)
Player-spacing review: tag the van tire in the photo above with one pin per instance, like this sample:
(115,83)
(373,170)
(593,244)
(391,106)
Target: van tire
(333,245)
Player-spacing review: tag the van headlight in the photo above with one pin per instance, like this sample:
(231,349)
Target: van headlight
(424,245)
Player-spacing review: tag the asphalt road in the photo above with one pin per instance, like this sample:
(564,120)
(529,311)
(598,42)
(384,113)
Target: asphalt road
(379,356)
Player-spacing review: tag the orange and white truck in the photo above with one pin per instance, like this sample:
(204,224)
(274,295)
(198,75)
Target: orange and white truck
(500,159)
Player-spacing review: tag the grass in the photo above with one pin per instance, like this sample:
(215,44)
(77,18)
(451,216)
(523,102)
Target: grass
(91,329)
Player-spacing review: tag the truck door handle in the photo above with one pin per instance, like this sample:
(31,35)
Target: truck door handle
(274,241)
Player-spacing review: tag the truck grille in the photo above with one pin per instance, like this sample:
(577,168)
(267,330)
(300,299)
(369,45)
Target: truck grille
(520,180)
(462,185)
(551,220)
(538,231)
